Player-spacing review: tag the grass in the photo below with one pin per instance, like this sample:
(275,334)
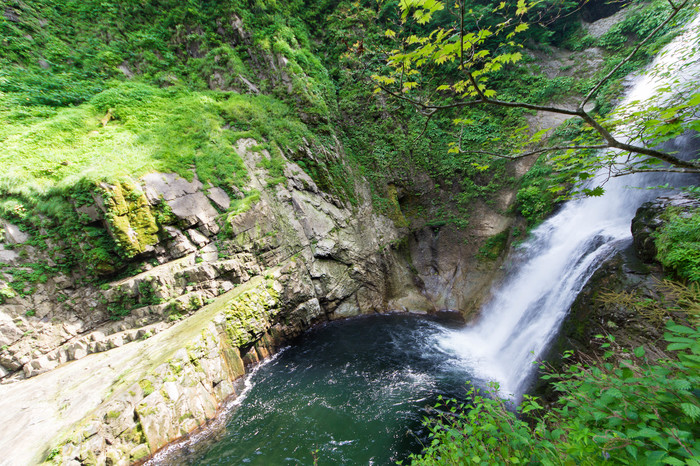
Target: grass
(153,129)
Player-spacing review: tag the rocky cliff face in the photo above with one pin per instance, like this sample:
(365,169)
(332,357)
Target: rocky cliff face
(171,357)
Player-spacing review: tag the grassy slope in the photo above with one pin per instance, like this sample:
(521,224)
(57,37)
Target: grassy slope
(64,65)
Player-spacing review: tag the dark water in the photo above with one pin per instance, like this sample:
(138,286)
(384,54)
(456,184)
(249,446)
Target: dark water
(351,392)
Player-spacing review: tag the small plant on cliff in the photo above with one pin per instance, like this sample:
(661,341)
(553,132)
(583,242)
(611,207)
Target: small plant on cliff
(624,409)
(6,293)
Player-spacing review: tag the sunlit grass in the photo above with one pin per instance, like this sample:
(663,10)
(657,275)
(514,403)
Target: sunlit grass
(151,129)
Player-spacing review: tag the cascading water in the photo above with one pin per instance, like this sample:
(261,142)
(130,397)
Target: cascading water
(527,308)
(347,392)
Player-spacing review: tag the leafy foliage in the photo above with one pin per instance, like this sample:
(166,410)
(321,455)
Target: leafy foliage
(678,244)
(478,45)
(634,411)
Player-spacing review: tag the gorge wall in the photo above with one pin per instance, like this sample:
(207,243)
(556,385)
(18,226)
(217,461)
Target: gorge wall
(224,281)
(133,297)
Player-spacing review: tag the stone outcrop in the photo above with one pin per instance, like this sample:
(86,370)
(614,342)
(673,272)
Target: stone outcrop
(121,407)
(161,349)
(650,217)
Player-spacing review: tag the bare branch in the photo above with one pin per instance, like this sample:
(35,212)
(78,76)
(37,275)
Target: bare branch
(629,171)
(425,127)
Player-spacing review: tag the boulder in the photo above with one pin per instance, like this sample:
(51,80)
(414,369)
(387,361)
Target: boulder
(13,234)
(9,332)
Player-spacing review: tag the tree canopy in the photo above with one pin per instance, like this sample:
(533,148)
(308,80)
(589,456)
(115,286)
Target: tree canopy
(475,42)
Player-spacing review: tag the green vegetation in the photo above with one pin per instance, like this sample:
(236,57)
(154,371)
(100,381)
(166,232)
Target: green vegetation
(168,130)
(494,246)
(678,243)
(146,386)
(626,411)
(537,195)
(447,56)
(6,293)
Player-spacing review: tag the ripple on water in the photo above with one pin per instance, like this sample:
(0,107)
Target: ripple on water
(351,392)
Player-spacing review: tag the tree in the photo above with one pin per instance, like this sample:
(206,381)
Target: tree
(622,409)
(476,46)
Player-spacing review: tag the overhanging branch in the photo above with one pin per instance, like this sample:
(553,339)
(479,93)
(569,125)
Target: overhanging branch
(611,141)
(676,10)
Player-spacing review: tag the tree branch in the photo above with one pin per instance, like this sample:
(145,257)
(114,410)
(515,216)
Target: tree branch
(612,142)
(631,171)
(537,151)
(641,44)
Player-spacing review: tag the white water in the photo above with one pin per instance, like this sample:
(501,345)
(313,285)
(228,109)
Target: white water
(527,309)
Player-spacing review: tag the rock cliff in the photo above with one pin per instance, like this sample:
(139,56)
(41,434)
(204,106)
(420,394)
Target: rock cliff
(160,349)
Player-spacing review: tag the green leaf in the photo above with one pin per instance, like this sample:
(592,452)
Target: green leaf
(681,329)
(639,352)
(673,461)
(678,346)
(691,410)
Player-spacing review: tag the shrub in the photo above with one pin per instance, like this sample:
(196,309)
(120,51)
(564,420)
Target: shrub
(630,411)
(678,244)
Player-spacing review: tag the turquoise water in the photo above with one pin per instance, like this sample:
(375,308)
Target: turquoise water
(351,392)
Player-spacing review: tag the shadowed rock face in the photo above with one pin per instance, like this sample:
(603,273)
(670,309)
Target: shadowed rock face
(598,9)
(650,217)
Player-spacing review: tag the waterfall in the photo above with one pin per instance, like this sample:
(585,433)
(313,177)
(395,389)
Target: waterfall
(552,267)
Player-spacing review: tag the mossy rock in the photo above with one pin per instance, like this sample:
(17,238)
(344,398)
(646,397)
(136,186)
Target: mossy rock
(130,219)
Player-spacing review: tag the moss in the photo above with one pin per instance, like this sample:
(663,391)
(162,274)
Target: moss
(494,246)
(130,219)
(140,452)
(678,243)
(233,360)
(248,316)
(136,434)
(239,206)
(147,387)
(394,210)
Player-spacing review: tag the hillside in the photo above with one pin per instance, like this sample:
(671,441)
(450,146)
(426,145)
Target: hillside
(187,186)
